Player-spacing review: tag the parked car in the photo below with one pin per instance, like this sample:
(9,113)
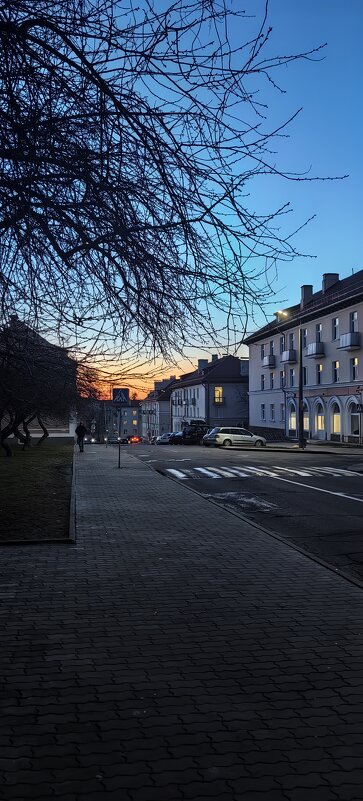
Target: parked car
(227,436)
(176,438)
(133,439)
(193,435)
(163,439)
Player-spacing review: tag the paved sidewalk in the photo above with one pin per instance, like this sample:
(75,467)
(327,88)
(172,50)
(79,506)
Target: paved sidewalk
(175,652)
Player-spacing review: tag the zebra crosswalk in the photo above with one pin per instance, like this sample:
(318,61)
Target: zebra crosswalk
(249,471)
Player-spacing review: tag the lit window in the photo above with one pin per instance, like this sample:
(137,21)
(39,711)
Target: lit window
(292,418)
(320,421)
(218,394)
(354,368)
(335,372)
(335,419)
(319,371)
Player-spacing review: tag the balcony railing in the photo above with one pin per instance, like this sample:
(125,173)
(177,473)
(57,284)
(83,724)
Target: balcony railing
(269,361)
(289,356)
(350,341)
(316,349)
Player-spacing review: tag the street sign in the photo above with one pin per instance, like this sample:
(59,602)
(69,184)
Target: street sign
(360,407)
(120,396)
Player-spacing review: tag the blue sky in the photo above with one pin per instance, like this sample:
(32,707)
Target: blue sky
(326,138)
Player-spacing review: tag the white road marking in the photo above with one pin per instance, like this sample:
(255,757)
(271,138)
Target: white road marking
(177,473)
(239,472)
(337,471)
(319,489)
(295,472)
(224,471)
(260,471)
(207,471)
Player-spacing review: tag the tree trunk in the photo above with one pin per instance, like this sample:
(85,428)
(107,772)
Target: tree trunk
(45,432)
(5,432)
(28,439)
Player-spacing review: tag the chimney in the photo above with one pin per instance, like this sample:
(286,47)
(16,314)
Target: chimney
(214,357)
(306,294)
(329,279)
(202,364)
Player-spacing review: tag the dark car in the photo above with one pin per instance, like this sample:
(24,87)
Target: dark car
(176,438)
(193,435)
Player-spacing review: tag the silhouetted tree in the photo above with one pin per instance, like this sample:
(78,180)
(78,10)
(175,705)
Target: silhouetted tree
(129,134)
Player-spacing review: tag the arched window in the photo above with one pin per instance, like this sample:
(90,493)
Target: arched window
(354,420)
(306,418)
(292,418)
(320,420)
(335,419)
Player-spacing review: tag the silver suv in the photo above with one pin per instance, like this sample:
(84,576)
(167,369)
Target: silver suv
(233,436)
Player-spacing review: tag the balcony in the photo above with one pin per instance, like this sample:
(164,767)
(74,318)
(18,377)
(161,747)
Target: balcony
(289,356)
(316,350)
(350,341)
(269,361)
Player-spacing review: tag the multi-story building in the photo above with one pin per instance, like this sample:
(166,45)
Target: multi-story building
(216,393)
(322,336)
(120,419)
(155,409)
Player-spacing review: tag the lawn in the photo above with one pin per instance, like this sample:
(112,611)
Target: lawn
(35,492)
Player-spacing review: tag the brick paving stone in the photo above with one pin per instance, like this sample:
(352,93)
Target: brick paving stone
(175,657)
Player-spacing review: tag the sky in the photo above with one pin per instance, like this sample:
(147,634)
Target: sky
(325,140)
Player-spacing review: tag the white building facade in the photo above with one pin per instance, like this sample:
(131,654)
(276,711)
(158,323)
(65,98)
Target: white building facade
(216,393)
(323,334)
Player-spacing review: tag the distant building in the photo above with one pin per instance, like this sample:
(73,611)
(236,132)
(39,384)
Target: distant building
(215,393)
(326,329)
(120,419)
(155,409)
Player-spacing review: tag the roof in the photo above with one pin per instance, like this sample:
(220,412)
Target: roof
(341,294)
(227,368)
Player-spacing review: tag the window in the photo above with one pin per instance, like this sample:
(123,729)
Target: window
(353,321)
(282,344)
(305,376)
(272,379)
(292,341)
(292,377)
(304,337)
(282,412)
(292,418)
(262,382)
(319,373)
(198,393)
(354,420)
(263,412)
(335,328)
(262,351)
(306,418)
(272,412)
(320,422)
(335,372)
(318,332)
(335,419)
(218,394)
(271,347)
(354,369)
(282,379)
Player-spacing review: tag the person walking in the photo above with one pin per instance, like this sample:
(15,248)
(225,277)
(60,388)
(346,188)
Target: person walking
(81,432)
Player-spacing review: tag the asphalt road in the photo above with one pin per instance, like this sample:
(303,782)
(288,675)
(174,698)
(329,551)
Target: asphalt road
(312,499)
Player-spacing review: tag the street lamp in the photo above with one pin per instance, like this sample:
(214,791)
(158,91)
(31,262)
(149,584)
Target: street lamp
(301,438)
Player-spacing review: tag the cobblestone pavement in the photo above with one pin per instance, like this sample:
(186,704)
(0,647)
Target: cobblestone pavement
(175,652)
